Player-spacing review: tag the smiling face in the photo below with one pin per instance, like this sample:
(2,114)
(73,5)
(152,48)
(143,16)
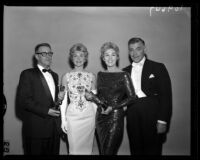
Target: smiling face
(110,57)
(137,51)
(78,58)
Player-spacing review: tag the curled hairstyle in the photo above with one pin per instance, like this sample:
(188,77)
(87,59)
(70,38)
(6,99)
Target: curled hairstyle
(41,45)
(105,47)
(109,45)
(78,47)
(136,40)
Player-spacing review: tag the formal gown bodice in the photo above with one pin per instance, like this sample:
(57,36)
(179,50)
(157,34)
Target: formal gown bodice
(77,83)
(113,87)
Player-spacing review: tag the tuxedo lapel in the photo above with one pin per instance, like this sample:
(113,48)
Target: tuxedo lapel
(145,71)
(45,85)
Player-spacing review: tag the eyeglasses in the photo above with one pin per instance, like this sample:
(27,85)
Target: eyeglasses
(44,54)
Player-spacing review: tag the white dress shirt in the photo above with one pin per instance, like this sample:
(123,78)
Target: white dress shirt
(48,77)
(136,75)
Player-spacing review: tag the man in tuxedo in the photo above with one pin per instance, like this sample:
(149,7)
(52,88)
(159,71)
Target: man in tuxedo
(38,90)
(148,119)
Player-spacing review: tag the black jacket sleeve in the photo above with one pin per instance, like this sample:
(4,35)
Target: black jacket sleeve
(130,92)
(26,95)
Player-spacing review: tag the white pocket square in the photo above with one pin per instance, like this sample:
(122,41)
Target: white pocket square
(151,76)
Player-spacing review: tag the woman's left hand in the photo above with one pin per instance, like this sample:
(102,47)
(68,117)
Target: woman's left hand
(107,111)
(88,95)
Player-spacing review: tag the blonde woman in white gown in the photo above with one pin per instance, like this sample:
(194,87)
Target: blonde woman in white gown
(78,115)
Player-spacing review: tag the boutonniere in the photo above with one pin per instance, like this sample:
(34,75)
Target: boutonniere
(151,76)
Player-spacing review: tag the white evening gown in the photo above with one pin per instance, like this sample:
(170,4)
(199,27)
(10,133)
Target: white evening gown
(80,113)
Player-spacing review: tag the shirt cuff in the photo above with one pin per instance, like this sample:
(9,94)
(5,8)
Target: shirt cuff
(140,94)
(163,122)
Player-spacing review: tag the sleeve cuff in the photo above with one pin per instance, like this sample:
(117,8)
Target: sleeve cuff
(163,122)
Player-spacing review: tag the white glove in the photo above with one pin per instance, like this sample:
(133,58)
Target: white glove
(64,127)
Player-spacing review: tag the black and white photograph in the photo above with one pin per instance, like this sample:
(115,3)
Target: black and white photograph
(97,80)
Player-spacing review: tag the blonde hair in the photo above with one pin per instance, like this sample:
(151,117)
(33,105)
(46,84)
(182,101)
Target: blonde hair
(109,45)
(78,47)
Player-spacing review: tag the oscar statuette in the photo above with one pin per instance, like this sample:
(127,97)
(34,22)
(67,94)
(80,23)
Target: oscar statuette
(59,101)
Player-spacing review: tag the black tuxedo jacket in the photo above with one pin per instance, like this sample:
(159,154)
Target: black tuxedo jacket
(155,82)
(35,99)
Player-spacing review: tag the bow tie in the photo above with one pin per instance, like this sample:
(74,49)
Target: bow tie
(46,70)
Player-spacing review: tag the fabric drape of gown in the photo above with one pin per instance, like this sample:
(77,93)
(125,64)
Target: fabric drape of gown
(114,89)
(80,113)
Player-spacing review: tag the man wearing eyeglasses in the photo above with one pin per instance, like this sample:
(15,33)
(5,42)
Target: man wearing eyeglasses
(38,90)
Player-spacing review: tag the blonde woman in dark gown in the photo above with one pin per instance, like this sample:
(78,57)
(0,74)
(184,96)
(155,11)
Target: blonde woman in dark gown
(115,91)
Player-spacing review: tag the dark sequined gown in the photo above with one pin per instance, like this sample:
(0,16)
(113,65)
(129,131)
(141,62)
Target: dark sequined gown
(114,89)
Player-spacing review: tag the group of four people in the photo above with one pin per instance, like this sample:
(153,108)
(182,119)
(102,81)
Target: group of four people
(99,103)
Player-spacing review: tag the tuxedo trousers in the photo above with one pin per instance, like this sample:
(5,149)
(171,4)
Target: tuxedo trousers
(142,127)
(42,146)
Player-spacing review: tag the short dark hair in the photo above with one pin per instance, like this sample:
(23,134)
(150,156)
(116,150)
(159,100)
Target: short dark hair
(136,40)
(40,45)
